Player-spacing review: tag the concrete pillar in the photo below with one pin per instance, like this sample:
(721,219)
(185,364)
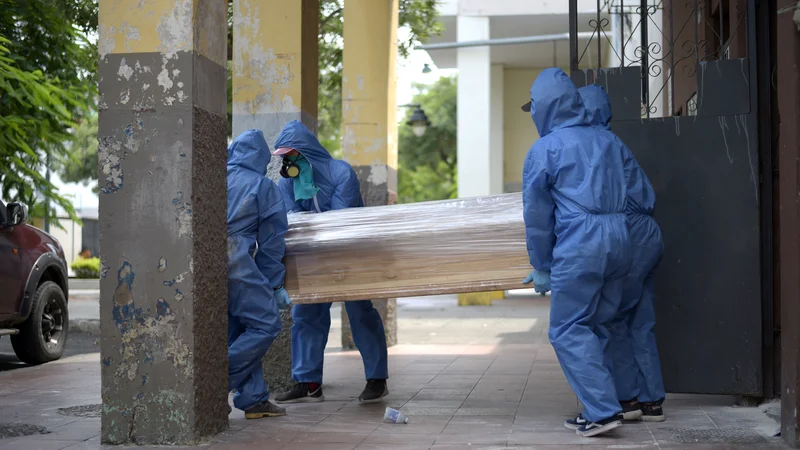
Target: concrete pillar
(369,116)
(162,157)
(496,181)
(275,81)
(480,125)
(474,109)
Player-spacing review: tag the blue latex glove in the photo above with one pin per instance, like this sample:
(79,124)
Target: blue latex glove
(541,281)
(282,297)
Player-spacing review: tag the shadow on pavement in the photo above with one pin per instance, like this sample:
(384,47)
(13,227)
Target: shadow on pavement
(77,344)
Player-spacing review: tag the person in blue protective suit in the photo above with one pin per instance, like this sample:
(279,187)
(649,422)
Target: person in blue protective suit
(256,226)
(632,354)
(574,192)
(315,182)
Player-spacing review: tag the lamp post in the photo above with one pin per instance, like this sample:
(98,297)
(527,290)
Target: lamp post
(419,121)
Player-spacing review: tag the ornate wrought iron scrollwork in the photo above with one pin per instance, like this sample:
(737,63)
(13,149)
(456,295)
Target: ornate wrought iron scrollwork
(648,36)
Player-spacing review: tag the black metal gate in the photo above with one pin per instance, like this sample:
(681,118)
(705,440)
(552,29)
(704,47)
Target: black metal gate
(683,81)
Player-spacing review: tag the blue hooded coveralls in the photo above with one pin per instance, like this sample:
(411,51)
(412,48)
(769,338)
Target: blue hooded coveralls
(256,225)
(574,195)
(632,353)
(339,188)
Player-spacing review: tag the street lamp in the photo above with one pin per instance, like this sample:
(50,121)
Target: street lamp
(419,121)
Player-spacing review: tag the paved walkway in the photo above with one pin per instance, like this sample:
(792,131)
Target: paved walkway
(469,377)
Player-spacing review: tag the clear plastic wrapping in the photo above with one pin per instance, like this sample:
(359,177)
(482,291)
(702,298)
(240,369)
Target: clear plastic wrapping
(444,247)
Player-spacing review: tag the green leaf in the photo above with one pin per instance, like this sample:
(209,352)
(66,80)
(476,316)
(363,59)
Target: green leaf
(47,82)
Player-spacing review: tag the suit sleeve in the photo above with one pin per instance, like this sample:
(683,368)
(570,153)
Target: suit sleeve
(272,226)
(538,209)
(641,196)
(348,191)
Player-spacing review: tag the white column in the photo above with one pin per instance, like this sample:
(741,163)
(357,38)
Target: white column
(474,106)
(496,182)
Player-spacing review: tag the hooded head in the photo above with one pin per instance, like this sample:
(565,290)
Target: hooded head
(598,107)
(555,102)
(297,136)
(250,151)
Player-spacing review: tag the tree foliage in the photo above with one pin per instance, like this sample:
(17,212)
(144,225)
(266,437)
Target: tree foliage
(428,163)
(47,79)
(79,165)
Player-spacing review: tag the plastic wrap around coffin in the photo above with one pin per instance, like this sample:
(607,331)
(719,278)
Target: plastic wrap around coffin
(451,246)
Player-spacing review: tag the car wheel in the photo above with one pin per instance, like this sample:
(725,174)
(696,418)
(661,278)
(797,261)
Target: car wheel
(43,336)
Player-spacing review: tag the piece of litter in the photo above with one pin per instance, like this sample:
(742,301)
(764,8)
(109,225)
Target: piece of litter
(394,416)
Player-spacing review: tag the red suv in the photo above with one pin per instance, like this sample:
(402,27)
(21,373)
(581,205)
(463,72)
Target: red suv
(33,288)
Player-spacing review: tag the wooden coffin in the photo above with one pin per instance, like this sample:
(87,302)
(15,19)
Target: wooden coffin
(431,248)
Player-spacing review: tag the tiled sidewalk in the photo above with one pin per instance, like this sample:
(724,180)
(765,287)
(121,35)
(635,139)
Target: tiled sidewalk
(470,377)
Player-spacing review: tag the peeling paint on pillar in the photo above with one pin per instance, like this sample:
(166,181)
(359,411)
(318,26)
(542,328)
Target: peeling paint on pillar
(145,338)
(162,164)
(369,125)
(269,66)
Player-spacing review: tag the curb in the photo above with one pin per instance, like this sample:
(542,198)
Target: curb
(88,326)
(84,284)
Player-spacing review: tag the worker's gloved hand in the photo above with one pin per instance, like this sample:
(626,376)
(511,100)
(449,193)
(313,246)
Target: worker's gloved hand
(282,297)
(541,281)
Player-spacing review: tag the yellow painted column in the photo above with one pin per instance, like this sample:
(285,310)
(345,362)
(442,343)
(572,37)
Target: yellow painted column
(369,115)
(275,64)
(162,175)
(275,80)
(369,104)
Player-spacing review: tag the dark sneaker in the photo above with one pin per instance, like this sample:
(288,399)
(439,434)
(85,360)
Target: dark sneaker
(652,412)
(601,426)
(574,424)
(266,409)
(230,410)
(374,392)
(631,410)
(301,393)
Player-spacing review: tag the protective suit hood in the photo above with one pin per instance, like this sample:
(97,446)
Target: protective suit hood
(598,106)
(556,103)
(250,151)
(297,136)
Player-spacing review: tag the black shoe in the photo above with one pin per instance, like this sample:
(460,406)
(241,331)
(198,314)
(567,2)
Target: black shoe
(601,426)
(631,410)
(374,392)
(574,424)
(266,409)
(652,412)
(230,410)
(301,393)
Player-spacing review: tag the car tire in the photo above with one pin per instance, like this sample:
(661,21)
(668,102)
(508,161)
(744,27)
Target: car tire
(48,313)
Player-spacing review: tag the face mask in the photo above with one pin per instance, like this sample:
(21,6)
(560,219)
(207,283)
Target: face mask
(303,184)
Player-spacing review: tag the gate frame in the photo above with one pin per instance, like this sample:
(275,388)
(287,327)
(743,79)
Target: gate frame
(761,52)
